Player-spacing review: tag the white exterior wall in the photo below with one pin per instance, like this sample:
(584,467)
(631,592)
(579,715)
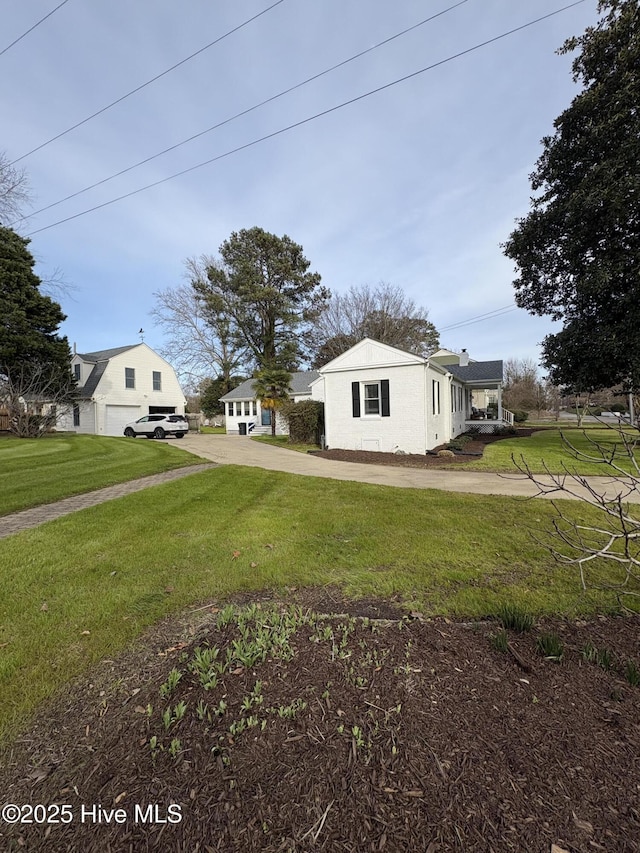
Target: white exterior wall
(459,415)
(87,411)
(232,422)
(438,422)
(404,429)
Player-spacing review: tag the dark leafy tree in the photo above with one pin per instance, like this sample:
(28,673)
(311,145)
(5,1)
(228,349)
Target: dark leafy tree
(383,313)
(34,359)
(263,286)
(212,389)
(577,252)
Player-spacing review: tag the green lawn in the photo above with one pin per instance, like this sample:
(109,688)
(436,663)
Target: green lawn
(545,447)
(42,470)
(77,590)
(283,441)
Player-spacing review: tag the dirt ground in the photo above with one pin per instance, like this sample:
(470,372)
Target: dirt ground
(472,450)
(322,724)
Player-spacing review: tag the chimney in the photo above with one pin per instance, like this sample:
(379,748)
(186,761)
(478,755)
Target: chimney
(464,358)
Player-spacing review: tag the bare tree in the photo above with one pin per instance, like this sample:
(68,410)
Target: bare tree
(199,343)
(384,313)
(14,190)
(606,546)
(34,396)
(523,387)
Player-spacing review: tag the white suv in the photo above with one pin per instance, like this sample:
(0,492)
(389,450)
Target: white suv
(157,426)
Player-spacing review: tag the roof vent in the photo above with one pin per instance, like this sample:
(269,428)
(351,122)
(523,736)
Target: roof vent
(464,358)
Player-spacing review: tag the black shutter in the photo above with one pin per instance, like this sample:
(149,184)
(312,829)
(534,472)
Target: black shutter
(355,398)
(384,393)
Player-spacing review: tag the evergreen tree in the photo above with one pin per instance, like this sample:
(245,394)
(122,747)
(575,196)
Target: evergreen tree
(578,250)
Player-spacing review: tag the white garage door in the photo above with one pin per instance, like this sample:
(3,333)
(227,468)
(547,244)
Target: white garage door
(117,417)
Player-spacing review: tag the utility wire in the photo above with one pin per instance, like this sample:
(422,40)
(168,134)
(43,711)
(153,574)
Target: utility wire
(490,315)
(148,83)
(308,119)
(243,112)
(31,29)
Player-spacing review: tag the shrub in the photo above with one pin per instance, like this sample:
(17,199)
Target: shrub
(305,419)
(618,407)
(520,416)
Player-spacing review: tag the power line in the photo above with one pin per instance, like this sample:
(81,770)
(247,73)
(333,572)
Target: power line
(148,83)
(490,315)
(243,112)
(31,29)
(306,120)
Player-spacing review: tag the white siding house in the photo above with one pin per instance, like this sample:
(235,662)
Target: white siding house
(383,399)
(120,385)
(244,415)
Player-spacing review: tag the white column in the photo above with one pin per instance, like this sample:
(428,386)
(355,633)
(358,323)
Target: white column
(499,403)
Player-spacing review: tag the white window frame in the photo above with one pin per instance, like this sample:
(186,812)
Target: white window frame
(156,376)
(130,376)
(365,399)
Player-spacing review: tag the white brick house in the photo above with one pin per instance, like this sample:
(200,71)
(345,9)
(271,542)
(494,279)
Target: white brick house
(244,415)
(120,385)
(380,398)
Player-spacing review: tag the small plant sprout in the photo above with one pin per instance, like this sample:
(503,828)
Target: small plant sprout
(551,647)
(171,683)
(179,710)
(513,618)
(154,747)
(632,673)
(202,711)
(605,659)
(167,718)
(500,641)
(175,748)
(358,737)
(589,652)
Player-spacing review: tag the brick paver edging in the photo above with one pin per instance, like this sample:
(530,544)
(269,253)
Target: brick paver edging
(27,518)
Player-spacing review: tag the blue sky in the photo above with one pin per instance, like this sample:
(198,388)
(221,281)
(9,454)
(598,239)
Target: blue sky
(416,185)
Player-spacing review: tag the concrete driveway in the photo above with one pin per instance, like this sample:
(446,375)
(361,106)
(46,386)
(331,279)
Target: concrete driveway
(241,450)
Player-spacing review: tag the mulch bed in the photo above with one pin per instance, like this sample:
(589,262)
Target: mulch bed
(380,733)
(472,449)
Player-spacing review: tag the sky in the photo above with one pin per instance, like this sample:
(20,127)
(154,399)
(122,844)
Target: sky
(416,185)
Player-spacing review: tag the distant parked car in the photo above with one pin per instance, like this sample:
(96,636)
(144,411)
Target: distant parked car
(157,426)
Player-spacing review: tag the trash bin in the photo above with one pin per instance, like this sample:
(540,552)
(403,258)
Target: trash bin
(243,429)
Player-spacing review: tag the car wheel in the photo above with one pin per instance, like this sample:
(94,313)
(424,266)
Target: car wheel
(129,433)
(179,435)
(158,432)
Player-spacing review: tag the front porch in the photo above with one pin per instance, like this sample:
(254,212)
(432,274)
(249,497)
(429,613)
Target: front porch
(488,424)
(487,413)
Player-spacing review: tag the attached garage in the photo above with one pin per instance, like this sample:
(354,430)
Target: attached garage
(117,417)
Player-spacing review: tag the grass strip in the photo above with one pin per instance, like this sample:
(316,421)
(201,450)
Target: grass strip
(42,470)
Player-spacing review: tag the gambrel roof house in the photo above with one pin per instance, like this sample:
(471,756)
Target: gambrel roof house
(120,385)
(380,398)
(244,415)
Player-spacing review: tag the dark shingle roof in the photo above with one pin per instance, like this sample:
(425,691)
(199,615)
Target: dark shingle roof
(477,371)
(300,382)
(100,359)
(104,354)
